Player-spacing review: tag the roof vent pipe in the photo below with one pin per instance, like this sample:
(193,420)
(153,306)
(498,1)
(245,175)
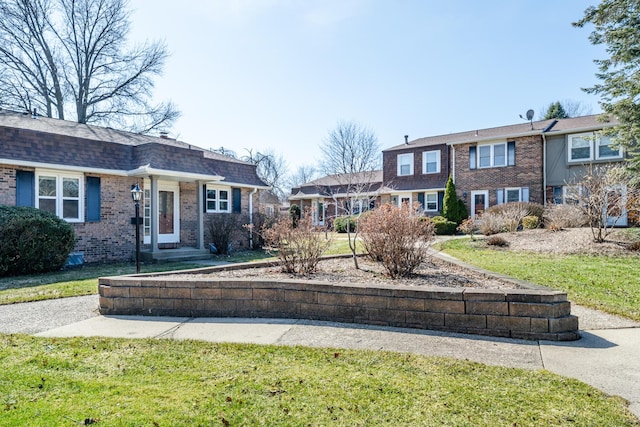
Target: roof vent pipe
(406,139)
(35,114)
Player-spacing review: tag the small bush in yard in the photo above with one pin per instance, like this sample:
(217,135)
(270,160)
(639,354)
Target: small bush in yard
(497,241)
(557,217)
(33,241)
(635,246)
(223,229)
(341,223)
(297,248)
(491,223)
(468,227)
(442,226)
(397,238)
(530,222)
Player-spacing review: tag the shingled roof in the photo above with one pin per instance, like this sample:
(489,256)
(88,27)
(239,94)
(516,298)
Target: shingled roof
(58,142)
(549,127)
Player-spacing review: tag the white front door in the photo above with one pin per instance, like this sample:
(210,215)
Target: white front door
(479,202)
(168,213)
(615,211)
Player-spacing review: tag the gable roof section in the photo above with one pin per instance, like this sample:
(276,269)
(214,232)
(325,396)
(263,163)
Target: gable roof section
(45,141)
(561,126)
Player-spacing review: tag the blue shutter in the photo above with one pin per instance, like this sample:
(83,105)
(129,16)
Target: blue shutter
(204,198)
(440,200)
(236,195)
(500,195)
(525,194)
(511,153)
(421,200)
(93,199)
(25,188)
(472,157)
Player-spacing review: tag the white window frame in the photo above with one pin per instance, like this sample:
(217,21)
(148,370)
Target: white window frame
(217,199)
(408,197)
(426,202)
(425,155)
(598,145)
(60,197)
(403,160)
(583,136)
(492,158)
(506,194)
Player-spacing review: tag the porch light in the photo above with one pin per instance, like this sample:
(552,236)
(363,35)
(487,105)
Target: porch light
(136,195)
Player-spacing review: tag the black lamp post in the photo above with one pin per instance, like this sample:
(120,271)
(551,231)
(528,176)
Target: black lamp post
(136,195)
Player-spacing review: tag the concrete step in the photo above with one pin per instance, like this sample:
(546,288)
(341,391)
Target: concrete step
(176,255)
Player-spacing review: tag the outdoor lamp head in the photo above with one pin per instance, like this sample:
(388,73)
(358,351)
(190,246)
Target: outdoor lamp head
(136,193)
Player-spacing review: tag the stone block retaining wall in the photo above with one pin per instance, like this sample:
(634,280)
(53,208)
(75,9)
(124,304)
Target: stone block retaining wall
(518,313)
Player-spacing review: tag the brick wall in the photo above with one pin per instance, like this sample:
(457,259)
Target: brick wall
(7,185)
(418,180)
(525,314)
(527,172)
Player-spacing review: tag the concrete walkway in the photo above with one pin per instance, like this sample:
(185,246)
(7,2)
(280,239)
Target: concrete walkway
(606,357)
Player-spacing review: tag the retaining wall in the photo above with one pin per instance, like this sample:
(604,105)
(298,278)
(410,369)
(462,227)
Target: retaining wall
(517,313)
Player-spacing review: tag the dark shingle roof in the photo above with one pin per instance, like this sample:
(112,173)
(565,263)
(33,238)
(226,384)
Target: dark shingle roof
(53,141)
(576,124)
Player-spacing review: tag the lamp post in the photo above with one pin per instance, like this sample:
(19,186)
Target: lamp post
(136,195)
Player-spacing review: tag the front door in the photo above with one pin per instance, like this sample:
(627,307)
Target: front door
(615,211)
(479,202)
(168,213)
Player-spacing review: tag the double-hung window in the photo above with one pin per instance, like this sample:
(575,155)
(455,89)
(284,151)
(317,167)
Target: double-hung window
(492,155)
(431,202)
(431,161)
(606,150)
(61,194)
(218,199)
(405,164)
(580,147)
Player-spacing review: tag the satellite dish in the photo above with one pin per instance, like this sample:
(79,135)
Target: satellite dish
(530,114)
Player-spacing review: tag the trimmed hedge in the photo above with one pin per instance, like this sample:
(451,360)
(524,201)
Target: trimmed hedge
(33,241)
(340,224)
(442,226)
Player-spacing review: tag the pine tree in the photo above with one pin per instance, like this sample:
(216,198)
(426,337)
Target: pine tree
(451,208)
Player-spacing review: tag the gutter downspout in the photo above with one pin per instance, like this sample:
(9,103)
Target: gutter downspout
(544,169)
(255,190)
(453,164)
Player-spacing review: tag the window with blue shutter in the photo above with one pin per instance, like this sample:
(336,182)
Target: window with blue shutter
(472,157)
(236,195)
(511,153)
(93,199)
(25,188)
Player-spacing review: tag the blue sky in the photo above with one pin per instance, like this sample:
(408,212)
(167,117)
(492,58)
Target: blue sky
(279,74)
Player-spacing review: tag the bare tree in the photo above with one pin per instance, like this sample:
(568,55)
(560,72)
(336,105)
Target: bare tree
(602,193)
(68,57)
(271,168)
(302,175)
(351,154)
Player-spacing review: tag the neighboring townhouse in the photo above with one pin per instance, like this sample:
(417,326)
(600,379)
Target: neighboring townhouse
(572,146)
(336,195)
(527,162)
(84,175)
(416,171)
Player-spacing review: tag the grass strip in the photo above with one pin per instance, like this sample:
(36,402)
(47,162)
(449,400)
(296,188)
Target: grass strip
(120,382)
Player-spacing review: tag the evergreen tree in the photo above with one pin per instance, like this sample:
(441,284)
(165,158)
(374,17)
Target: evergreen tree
(555,111)
(451,206)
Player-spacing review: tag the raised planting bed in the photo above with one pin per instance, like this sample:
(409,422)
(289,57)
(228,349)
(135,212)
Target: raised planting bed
(516,313)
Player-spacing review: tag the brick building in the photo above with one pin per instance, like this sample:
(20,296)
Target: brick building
(84,174)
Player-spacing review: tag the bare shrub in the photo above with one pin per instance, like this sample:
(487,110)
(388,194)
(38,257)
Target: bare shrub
(530,222)
(223,229)
(635,246)
(491,223)
(468,227)
(299,249)
(557,217)
(396,237)
(497,241)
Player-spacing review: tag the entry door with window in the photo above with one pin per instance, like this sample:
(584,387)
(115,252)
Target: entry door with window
(616,207)
(318,212)
(168,214)
(479,202)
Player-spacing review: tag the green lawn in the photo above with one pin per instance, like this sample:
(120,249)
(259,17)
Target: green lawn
(117,382)
(607,283)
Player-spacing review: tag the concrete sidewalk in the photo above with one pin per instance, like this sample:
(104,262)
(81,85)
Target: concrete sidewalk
(604,358)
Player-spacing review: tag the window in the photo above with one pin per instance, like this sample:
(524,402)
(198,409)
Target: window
(515,194)
(405,164)
(494,155)
(605,149)
(431,201)
(217,199)
(60,194)
(579,148)
(431,161)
